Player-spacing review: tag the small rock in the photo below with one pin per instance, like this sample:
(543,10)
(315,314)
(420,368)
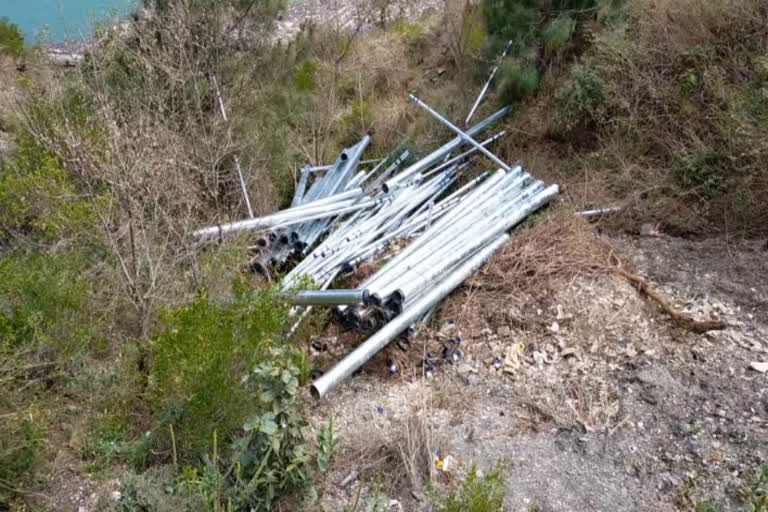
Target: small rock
(350,478)
(761,367)
(539,358)
(504,331)
(512,358)
(568,352)
(555,327)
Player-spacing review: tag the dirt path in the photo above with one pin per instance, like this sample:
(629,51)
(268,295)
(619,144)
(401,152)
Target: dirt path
(611,407)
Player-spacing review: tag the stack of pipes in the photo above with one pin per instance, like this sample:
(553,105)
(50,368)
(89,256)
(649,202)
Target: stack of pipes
(447,236)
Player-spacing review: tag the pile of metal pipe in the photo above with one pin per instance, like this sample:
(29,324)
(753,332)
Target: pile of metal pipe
(434,226)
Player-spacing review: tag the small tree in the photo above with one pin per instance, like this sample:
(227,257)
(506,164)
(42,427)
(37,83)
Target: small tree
(11,38)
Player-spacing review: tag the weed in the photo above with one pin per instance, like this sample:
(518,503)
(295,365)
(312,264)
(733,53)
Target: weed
(708,506)
(22,443)
(558,32)
(327,444)
(478,493)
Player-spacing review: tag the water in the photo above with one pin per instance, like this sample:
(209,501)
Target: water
(59,21)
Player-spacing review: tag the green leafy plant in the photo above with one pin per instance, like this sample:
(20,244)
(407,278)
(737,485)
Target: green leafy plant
(558,32)
(478,493)
(272,457)
(700,171)
(327,444)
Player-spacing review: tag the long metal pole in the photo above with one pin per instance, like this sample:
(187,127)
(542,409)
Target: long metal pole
(381,339)
(237,159)
(488,83)
(460,133)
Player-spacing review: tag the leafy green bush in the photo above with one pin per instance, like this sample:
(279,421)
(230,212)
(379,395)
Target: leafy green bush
(272,457)
(38,198)
(517,81)
(756,494)
(44,303)
(478,493)
(558,32)
(580,97)
(11,38)
(538,30)
(702,172)
(200,359)
(306,76)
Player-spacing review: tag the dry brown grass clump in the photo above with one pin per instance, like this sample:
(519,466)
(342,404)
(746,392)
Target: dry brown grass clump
(559,246)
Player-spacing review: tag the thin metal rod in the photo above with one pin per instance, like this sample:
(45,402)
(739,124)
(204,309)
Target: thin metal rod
(455,159)
(488,83)
(460,133)
(237,159)
(440,153)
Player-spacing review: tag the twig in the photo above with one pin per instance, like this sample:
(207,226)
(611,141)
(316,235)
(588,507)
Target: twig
(682,320)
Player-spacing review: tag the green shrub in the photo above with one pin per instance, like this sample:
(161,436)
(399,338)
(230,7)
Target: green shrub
(306,76)
(558,32)
(11,38)
(702,172)
(44,303)
(478,493)
(516,81)
(200,359)
(269,459)
(352,124)
(38,197)
(579,99)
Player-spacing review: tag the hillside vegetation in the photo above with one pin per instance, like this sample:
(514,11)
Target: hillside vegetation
(131,353)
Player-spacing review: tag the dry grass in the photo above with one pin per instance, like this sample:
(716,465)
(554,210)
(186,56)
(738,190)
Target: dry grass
(559,246)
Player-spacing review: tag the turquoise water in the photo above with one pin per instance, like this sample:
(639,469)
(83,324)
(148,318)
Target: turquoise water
(58,21)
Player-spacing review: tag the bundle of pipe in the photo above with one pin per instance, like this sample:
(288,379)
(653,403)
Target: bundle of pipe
(412,284)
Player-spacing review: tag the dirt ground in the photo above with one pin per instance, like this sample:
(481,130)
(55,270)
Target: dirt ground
(590,394)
